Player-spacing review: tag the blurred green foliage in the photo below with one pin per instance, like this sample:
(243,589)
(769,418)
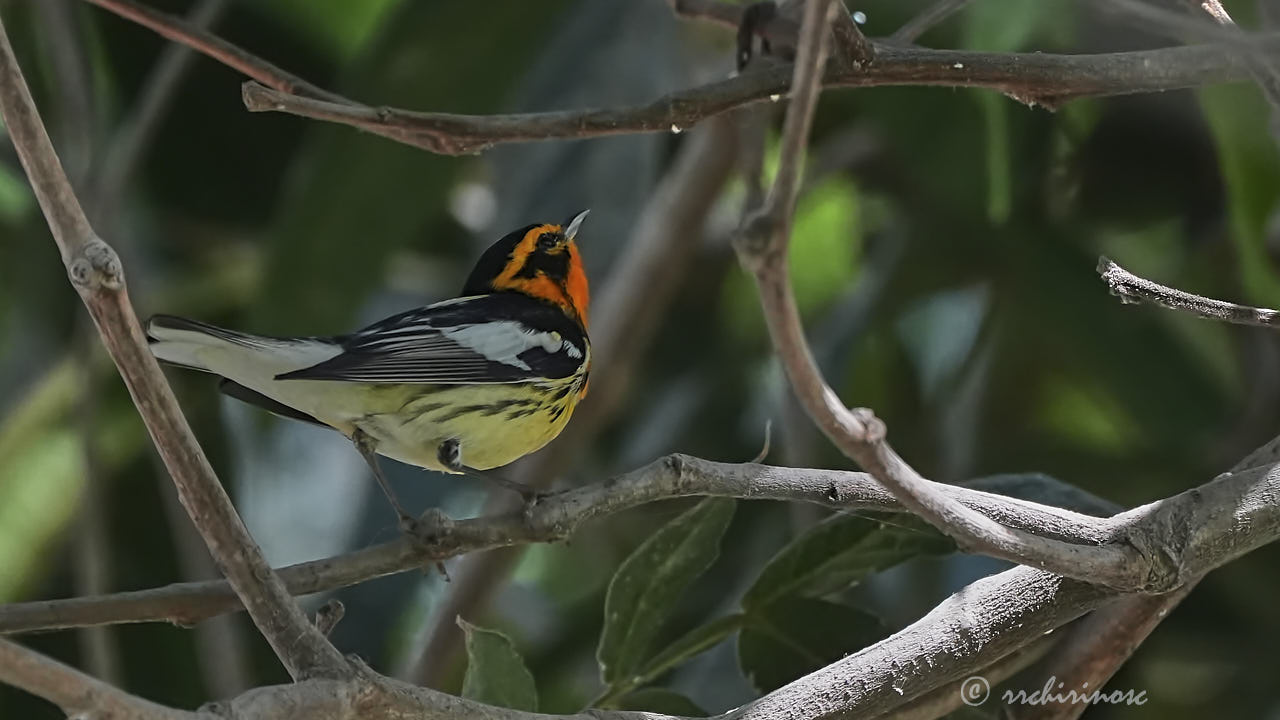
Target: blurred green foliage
(943,253)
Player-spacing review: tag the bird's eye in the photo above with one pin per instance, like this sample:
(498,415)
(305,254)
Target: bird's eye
(548,241)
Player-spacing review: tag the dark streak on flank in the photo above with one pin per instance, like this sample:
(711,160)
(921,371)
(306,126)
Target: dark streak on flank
(463,410)
(504,405)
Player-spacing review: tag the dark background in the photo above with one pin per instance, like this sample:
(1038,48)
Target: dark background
(944,257)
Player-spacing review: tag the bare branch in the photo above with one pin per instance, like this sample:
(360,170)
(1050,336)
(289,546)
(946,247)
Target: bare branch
(98,277)
(1192,521)
(1203,528)
(1132,289)
(1041,78)
(851,48)
(942,648)
(555,518)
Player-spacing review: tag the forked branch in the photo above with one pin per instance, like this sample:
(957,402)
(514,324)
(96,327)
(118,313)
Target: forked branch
(762,247)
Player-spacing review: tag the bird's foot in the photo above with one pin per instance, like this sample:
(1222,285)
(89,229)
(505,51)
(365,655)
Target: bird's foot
(450,456)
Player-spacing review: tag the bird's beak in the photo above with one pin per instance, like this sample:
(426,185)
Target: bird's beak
(571,228)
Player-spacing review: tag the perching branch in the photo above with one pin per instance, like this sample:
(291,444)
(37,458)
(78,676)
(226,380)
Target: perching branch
(97,275)
(1171,541)
(553,519)
(1039,78)
(1199,529)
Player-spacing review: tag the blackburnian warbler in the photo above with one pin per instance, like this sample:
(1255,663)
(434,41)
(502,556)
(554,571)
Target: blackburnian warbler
(467,384)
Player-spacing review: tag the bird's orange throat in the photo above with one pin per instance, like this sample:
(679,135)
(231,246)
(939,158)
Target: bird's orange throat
(569,293)
(575,285)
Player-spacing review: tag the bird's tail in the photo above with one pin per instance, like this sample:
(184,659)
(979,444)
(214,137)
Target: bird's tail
(201,346)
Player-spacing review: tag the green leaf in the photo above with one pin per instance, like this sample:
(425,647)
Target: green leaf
(999,167)
(826,249)
(496,674)
(661,700)
(340,25)
(794,636)
(1238,118)
(1007,25)
(694,642)
(650,581)
(839,552)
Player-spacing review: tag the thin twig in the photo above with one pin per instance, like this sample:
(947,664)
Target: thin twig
(1214,9)
(926,20)
(1041,78)
(191,34)
(329,615)
(1132,289)
(98,277)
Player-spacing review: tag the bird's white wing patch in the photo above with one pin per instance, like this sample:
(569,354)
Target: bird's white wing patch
(503,351)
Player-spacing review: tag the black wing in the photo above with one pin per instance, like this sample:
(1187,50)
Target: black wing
(497,338)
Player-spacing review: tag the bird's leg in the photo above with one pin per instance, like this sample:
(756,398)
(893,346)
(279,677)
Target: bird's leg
(450,455)
(364,444)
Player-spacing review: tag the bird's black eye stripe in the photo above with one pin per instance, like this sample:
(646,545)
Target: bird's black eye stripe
(548,240)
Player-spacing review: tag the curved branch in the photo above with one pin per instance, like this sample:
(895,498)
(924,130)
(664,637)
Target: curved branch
(1033,78)
(555,518)
(1182,537)
(98,277)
